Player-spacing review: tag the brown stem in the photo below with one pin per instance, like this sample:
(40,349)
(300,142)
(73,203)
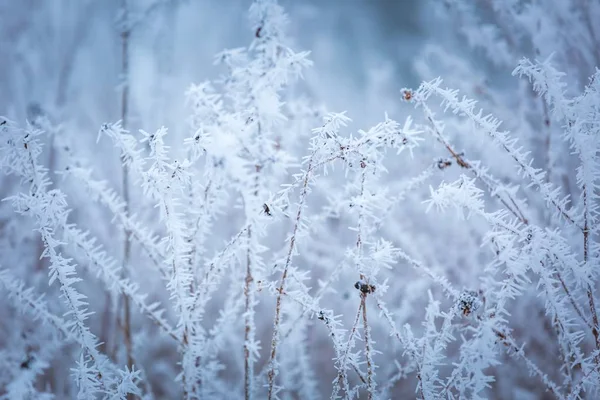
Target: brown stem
(280,289)
(590,294)
(342,377)
(572,300)
(126,326)
(363,297)
(509,342)
(248,370)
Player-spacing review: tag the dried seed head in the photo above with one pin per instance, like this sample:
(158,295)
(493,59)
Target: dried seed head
(364,287)
(468,302)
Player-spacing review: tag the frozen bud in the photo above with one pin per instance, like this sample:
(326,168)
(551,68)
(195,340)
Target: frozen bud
(443,164)
(364,287)
(267,209)
(468,302)
(323,316)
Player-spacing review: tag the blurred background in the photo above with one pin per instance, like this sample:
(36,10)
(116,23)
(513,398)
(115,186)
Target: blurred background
(66,54)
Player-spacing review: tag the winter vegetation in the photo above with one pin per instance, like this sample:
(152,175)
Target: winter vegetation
(267,247)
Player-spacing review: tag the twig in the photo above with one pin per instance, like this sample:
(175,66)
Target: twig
(277,321)
(368,355)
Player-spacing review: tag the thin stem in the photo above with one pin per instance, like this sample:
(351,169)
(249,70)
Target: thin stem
(342,376)
(277,321)
(248,321)
(509,342)
(368,355)
(572,301)
(590,294)
(126,326)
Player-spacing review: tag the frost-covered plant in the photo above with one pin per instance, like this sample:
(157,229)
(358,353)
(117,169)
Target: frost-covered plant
(259,258)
